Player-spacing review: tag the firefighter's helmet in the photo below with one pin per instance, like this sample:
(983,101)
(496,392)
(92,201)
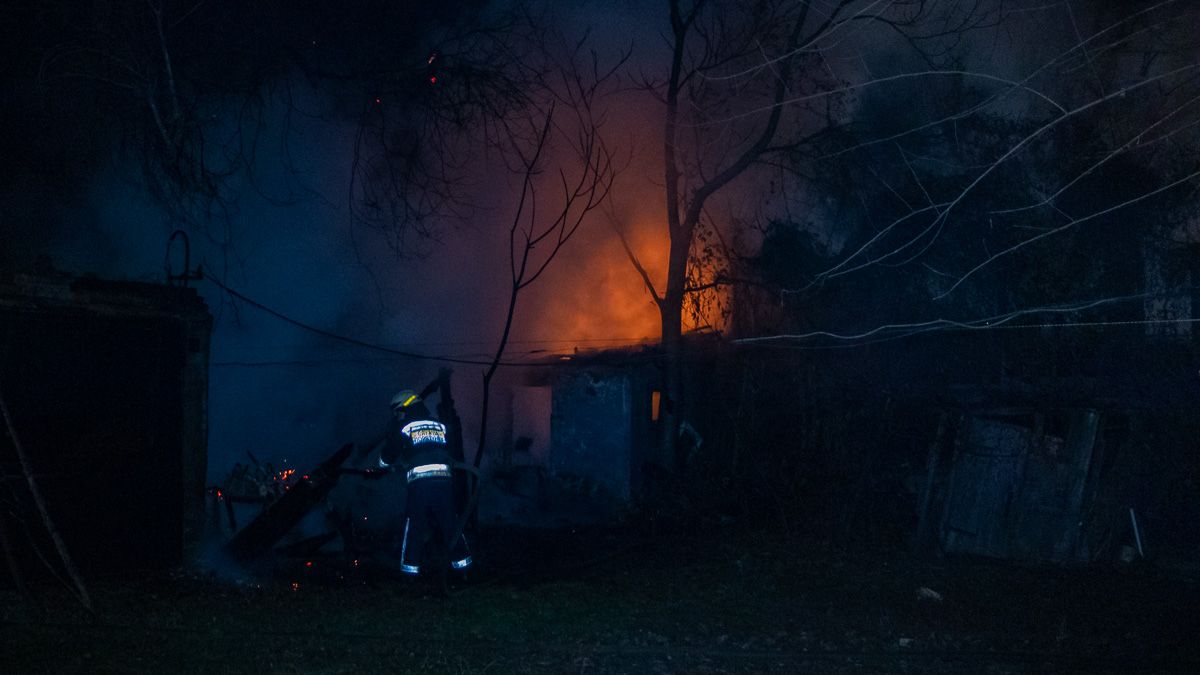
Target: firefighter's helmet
(404,399)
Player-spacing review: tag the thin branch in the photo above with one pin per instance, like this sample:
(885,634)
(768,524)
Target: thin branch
(913,328)
(59,545)
(944,213)
(826,93)
(1133,142)
(636,262)
(1072,223)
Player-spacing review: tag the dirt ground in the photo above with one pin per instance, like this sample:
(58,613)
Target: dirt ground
(700,598)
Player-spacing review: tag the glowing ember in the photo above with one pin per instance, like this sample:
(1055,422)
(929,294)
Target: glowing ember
(287,478)
(255,481)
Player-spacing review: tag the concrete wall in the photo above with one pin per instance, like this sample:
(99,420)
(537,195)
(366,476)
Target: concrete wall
(108,386)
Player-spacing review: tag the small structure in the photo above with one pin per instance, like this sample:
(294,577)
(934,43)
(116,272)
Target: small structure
(107,382)
(578,434)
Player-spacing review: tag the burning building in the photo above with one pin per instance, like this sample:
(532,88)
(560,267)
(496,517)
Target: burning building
(581,435)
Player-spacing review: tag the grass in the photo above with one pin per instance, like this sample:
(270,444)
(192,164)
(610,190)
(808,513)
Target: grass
(701,599)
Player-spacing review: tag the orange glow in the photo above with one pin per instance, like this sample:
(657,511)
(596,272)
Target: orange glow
(594,298)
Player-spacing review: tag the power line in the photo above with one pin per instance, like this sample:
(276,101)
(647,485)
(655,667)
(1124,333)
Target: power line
(851,342)
(1075,324)
(848,341)
(315,362)
(468,343)
(355,341)
(982,323)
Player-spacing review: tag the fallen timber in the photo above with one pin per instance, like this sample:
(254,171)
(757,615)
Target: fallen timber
(260,535)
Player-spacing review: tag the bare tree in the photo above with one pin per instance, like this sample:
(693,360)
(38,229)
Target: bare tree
(565,170)
(1034,194)
(750,87)
(206,99)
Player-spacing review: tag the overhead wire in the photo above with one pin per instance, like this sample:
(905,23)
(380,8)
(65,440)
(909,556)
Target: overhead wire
(402,353)
(842,341)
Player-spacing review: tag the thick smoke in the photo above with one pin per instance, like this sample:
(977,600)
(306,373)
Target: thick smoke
(290,396)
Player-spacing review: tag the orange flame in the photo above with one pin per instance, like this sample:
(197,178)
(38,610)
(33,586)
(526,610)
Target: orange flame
(595,298)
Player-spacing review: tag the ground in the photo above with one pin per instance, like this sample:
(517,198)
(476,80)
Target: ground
(704,597)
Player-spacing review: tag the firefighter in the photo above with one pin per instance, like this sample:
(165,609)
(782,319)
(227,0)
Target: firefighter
(415,442)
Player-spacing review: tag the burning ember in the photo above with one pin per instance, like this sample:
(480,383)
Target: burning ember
(258,481)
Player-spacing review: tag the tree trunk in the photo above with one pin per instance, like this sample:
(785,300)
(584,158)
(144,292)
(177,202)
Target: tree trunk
(672,380)
(491,370)
(671,311)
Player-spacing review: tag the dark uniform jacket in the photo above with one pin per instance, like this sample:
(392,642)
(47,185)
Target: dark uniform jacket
(416,440)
